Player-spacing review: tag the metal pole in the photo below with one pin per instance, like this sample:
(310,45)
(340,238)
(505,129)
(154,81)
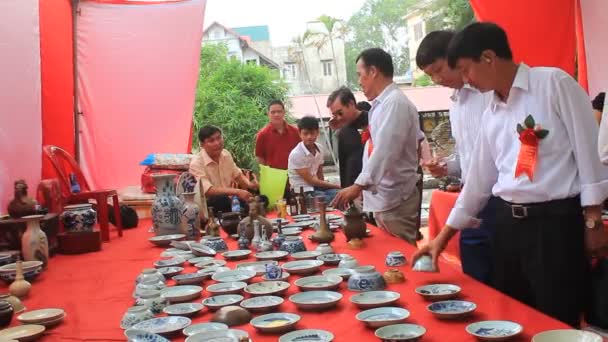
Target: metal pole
(75,13)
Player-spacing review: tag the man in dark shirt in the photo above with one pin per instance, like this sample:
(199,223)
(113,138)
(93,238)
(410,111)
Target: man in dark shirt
(349,119)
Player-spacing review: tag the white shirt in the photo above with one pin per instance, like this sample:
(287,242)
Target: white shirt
(567,163)
(389,175)
(465,117)
(301,158)
(602,146)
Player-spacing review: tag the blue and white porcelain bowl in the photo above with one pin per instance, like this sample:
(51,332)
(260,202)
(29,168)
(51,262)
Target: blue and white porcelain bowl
(164,325)
(494,330)
(380,317)
(566,335)
(395,259)
(134,335)
(152,300)
(216,302)
(438,291)
(293,244)
(216,243)
(452,309)
(262,303)
(316,300)
(366,278)
(400,332)
(134,315)
(183,309)
(30,275)
(311,335)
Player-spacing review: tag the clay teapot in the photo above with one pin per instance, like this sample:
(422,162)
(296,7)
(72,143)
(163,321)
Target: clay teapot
(247,223)
(355,225)
(230,222)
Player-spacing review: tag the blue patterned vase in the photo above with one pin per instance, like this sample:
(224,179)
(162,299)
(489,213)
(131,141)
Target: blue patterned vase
(190,217)
(78,218)
(167,207)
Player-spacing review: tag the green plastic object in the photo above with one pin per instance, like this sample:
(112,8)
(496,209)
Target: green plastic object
(272,184)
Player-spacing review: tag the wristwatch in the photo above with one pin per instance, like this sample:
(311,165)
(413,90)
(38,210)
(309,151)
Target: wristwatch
(591,223)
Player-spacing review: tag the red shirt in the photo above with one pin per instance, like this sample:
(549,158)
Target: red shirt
(274,147)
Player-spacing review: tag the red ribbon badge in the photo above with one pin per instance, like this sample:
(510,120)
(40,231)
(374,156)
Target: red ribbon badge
(528,152)
(366,136)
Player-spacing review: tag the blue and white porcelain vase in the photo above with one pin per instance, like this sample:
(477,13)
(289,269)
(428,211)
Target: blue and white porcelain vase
(34,243)
(190,217)
(366,278)
(78,218)
(273,271)
(215,242)
(293,244)
(395,259)
(243,241)
(167,207)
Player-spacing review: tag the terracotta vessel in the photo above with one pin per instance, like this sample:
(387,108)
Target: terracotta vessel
(393,276)
(230,222)
(20,287)
(34,244)
(247,223)
(355,225)
(356,244)
(212,229)
(323,234)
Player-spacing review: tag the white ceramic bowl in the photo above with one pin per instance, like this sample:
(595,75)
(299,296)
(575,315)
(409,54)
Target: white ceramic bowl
(302,266)
(380,317)
(322,282)
(275,323)
(400,332)
(204,328)
(165,240)
(216,302)
(181,293)
(566,335)
(262,303)
(345,273)
(233,287)
(374,299)
(494,330)
(183,309)
(265,288)
(234,275)
(316,300)
(438,291)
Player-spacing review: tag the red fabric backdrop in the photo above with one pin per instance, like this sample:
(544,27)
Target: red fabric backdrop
(540,33)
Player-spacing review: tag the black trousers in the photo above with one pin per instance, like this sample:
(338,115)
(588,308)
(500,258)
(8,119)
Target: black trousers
(540,260)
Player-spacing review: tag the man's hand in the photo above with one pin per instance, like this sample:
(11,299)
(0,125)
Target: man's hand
(437,169)
(434,249)
(253,185)
(243,194)
(346,195)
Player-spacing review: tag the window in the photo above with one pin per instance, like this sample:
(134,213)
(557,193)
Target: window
(418,31)
(327,67)
(289,71)
(252,61)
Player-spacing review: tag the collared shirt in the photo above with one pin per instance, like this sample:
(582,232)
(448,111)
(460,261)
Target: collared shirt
(350,150)
(602,146)
(212,173)
(468,105)
(301,158)
(275,147)
(389,174)
(567,163)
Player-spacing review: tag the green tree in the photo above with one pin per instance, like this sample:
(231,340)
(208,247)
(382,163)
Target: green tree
(449,14)
(333,29)
(234,96)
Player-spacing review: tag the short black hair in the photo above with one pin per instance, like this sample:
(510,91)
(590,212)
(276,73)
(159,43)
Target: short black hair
(433,47)
(364,105)
(378,58)
(598,102)
(276,102)
(344,94)
(308,122)
(475,39)
(206,132)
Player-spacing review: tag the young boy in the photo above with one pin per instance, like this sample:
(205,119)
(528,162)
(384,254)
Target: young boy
(305,163)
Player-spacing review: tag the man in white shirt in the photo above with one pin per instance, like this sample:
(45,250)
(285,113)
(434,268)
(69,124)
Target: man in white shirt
(390,158)
(535,154)
(305,163)
(465,115)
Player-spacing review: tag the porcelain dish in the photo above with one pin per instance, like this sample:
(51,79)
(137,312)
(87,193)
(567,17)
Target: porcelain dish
(228,335)
(494,330)
(316,300)
(266,288)
(322,282)
(308,335)
(181,293)
(438,291)
(234,275)
(451,309)
(275,323)
(262,303)
(302,266)
(233,287)
(216,302)
(164,325)
(373,299)
(400,332)
(183,309)
(204,328)
(383,316)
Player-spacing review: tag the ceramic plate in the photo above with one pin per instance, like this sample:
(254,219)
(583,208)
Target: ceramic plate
(271,255)
(438,291)
(566,335)
(216,302)
(27,266)
(181,293)
(52,322)
(229,335)
(163,325)
(170,271)
(183,309)
(313,335)
(494,330)
(197,260)
(202,250)
(212,262)
(259,267)
(306,255)
(345,273)
(173,252)
(173,262)
(300,217)
(316,300)
(134,335)
(234,275)
(302,266)
(226,288)
(451,308)
(267,288)
(165,240)
(284,276)
(275,322)
(190,278)
(204,328)
(238,254)
(292,231)
(27,332)
(262,303)
(183,245)
(322,282)
(373,299)
(400,332)
(380,317)
(36,316)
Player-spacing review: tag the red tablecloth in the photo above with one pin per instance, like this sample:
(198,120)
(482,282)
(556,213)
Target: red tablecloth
(95,290)
(442,203)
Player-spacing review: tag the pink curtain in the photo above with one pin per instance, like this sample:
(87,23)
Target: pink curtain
(137,72)
(594,15)
(20,126)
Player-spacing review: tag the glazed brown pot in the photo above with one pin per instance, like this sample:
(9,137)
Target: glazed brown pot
(230,222)
(355,225)
(6,313)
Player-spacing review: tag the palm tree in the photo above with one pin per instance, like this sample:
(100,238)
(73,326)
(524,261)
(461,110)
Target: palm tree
(334,29)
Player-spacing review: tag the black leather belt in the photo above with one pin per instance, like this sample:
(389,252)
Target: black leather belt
(528,210)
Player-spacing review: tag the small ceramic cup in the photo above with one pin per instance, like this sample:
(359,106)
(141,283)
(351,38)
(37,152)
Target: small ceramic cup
(324,248)
(134,315)
(348,262)
(273,271)
(150,273)
(424,264)
(395,258)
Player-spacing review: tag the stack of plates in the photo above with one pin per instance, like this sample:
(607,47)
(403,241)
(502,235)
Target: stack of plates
(46,317)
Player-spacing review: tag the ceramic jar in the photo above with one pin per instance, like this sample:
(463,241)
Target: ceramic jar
(190,217)
(230,222)
(355,225)
(348,262)
(34,244)
(152,300)
(134,315)
(324,248)
(366,278)
(395,258)
(14,302)
(78,218)
(293,244)
(393,276)
(150,273)
(278,240)
(273,271)
(6,313)
(215,242)
(167,207)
